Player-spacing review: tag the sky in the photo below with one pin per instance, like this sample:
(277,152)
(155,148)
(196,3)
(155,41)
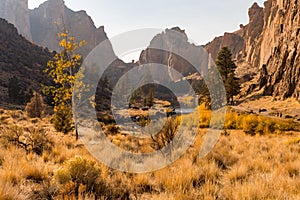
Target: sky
(202,19)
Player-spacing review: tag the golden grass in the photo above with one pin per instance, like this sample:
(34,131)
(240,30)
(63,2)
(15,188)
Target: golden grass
(8,191)
(241,166)
(250,123)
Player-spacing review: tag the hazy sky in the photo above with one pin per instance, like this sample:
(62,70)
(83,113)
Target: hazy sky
(202,19)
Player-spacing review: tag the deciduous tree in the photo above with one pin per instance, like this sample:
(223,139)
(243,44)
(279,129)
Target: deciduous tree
(63,70)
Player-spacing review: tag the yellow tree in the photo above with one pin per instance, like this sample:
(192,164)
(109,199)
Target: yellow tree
(63,70)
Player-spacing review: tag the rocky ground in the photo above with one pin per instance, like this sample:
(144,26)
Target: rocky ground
(272,107)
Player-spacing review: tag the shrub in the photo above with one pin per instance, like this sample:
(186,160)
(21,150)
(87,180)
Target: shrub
(230,122)
(249,124)
(167,134)
(38,140)
(287,126)
(34,140)
(112,129)
(265,126)
(261,127)
(4,118)
(204,116)
(33,173)
(8,191)
(35,108)
(79,172)
(62,120)
(293,141)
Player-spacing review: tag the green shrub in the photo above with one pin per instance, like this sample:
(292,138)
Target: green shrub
(62,120)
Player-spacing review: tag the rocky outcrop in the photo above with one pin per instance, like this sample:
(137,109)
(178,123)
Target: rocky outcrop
(243,43)
(232,40)
(42,24)
(53,16)
(280,45)
(171,48)
(17,13)
(268,47)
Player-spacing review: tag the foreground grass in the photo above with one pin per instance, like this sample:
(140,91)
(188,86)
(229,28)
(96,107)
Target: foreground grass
(241,166)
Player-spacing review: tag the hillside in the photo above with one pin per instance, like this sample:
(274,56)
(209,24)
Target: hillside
(21,59)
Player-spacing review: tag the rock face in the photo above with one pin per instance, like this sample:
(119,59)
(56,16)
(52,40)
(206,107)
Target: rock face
(280,46)
(171,48)
(17,13)
(243,43)
(53,16)
(270,42)
(21,59)
(42,24)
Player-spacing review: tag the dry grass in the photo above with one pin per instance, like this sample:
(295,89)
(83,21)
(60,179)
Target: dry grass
(241,166)
(250,123)
(8,191)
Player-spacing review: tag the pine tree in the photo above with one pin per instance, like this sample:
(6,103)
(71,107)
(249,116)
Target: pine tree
(227,69)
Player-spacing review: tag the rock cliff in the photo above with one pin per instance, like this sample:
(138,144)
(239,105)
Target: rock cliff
(53,16)
(171,48)
(280,45)
(270,42)
(17,13)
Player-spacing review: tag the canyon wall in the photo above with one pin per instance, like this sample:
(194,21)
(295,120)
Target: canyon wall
(268,44)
